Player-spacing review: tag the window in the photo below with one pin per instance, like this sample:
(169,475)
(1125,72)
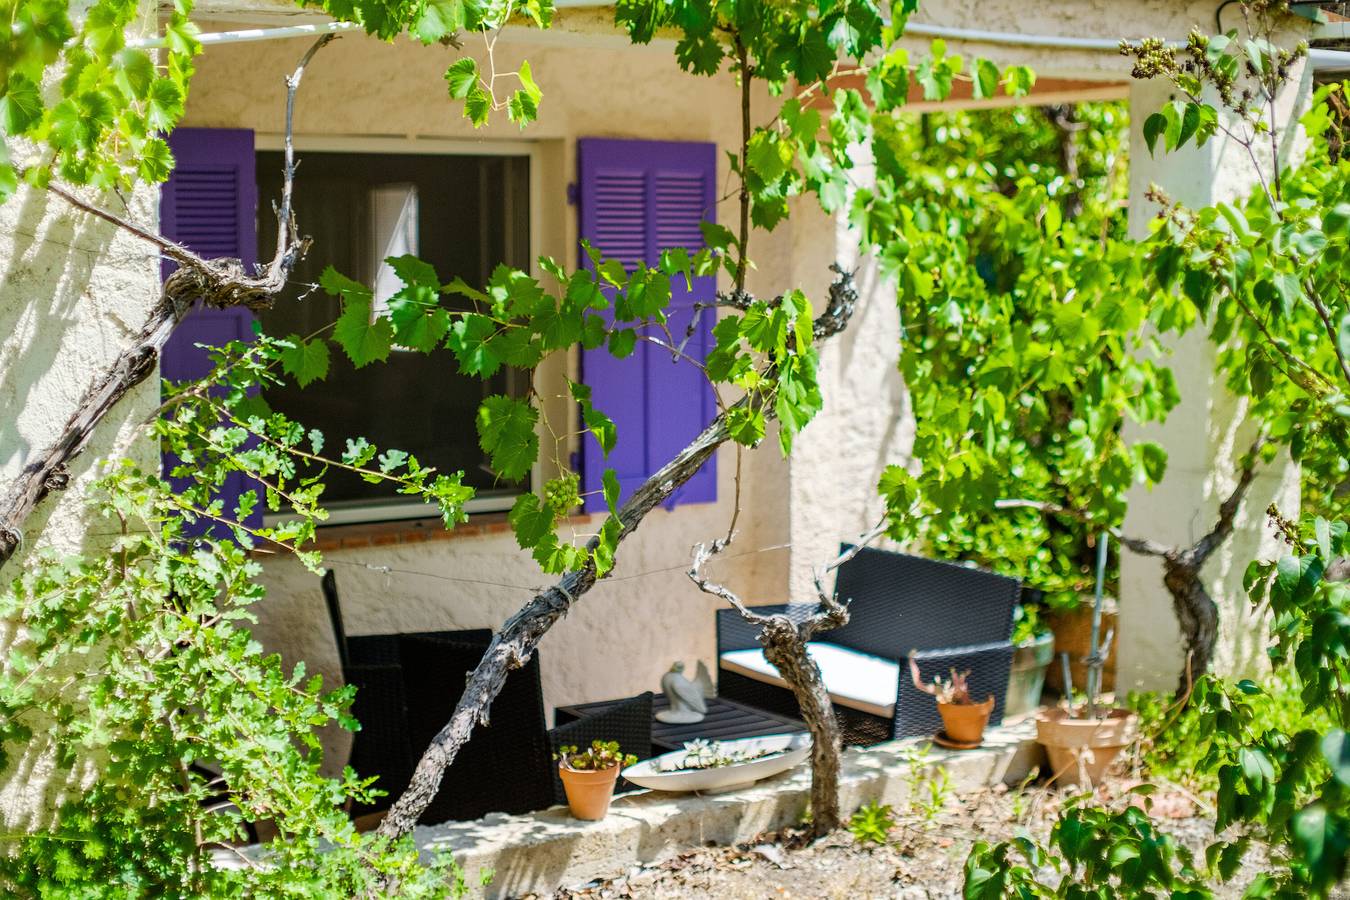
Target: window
(463,214)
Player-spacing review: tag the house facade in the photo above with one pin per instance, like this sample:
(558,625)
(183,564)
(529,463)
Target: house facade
(628,152)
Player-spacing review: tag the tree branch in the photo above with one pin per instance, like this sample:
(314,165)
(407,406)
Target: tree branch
(1142,546)
(218,284)
(512,647)
(1203,548)
(742,264)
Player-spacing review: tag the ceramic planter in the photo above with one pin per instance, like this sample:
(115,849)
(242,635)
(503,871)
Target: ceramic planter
(1027,678)
(660,773)
(1081,750)
(1073,635)
(589,792)
(964,722)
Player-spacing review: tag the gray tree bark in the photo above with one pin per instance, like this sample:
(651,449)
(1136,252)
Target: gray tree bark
(784,638)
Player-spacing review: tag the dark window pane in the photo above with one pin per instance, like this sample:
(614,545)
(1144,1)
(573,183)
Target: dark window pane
(472,214)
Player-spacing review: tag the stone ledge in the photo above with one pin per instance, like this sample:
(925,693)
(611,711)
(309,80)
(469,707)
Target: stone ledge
(540,852)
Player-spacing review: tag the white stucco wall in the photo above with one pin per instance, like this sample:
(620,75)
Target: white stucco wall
(865,424)
(1205,436)
(74,291)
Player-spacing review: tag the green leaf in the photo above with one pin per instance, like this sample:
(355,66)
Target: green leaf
(1154,125)
(21,105)
(1322,530)
(1310,242)
(1336,222)
(506,433)
(717,237)
(1310,833)
(1256,766)
(477,106)
(1190,123)
(609,480)
(527,83)
(438,19)
(305,361)
(530,520)
(622,342)
(1336,750)
(745,425)
(1018,80)
(364,341)
(769,157)
(1154,460)
(700,54)
(986,79)
(468,338)
(596,422)
(462,77)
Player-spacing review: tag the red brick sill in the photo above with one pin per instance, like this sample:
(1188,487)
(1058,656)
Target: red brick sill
(411,531)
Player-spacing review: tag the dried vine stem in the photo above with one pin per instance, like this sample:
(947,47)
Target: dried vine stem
(512,647)
(1183,567)
(217,283)
(784,637)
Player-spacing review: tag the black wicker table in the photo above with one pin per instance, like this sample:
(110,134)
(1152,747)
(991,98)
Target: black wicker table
(726,720)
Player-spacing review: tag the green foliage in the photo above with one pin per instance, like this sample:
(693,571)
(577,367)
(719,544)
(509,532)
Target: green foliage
(104,122)
(599,755)
(1042,317)
(195,729)
(1092,852)
(1178,736)
(929,784)
(1265,276)
(872,823)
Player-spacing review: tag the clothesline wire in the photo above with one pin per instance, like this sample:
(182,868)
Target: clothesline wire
(391,570)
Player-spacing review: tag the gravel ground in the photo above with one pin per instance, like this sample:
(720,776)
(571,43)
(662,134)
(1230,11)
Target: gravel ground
(923,857)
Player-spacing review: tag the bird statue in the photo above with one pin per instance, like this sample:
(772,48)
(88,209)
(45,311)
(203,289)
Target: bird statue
(687,703)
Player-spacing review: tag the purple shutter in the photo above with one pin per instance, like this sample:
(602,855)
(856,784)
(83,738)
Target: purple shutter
(209,205)
(639,198)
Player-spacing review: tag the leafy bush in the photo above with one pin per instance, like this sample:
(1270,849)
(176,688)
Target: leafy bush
(196,731)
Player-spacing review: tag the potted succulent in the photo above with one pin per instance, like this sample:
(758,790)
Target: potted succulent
(589,775)
(1082,740)
(1033,651)
(963,720)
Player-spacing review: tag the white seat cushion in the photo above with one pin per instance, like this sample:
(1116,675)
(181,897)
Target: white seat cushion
(856,680)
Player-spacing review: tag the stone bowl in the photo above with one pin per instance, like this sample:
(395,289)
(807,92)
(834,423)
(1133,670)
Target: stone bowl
(792,749)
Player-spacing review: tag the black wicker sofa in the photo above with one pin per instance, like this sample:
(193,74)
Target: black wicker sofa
(954,616)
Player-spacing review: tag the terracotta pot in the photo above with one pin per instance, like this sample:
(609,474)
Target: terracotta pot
(1081,750)
(964,722)
(589,792)
(1072,629)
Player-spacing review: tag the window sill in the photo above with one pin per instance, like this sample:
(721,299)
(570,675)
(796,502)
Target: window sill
(411,531)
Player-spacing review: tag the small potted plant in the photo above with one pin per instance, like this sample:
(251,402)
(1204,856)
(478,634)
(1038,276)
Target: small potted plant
(963,720)
(589,776)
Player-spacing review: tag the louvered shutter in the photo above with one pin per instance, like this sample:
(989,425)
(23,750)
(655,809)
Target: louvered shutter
(209,205)
(638,198)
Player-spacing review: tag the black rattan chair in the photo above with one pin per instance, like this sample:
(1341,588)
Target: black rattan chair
(407,688)
(953,615)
